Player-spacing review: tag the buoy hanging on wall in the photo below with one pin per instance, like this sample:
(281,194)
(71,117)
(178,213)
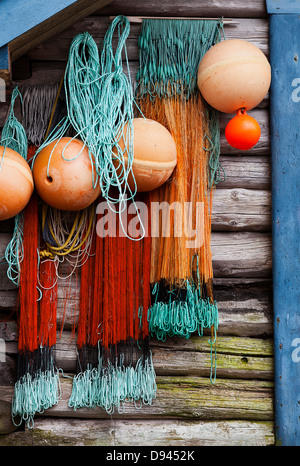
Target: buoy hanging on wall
(16,183)
(234,74)
(65,176)
(155,154)
(242,131)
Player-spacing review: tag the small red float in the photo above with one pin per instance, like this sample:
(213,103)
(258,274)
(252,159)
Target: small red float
(242,131)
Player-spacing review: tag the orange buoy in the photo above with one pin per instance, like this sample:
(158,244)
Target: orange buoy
(63,175)
(234,74)
(242,131)
(155,154)
(16,183)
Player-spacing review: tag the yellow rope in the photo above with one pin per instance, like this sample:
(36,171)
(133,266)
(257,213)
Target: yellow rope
(68,246)
(46,254)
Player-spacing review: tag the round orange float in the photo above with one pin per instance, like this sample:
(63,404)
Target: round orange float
(243,131)
(234,74)
(63,175)
(155,154)
(16,183)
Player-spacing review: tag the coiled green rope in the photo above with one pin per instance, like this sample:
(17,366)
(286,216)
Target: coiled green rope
(14,137)
(100,109)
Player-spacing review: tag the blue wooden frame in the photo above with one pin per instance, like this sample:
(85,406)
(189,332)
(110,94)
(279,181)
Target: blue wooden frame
(285,149)
(19,16)
(4,57)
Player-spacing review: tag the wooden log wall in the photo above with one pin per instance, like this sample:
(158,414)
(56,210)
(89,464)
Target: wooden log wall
(189,410)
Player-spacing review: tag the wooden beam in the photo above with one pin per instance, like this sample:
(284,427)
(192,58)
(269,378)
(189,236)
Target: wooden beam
(245,307)
(157,433)
(235,255)
(56,48)
(239,358)
(184,398)
(285,63)
(139,19)
(53,24)
(181,8)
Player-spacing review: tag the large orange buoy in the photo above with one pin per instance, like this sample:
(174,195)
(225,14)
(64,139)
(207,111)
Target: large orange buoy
(234,74)
(243,131)
(155,154)
(16,183)
(63,175)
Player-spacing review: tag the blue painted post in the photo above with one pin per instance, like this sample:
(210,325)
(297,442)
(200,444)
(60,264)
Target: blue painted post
(4,58)
(285,148)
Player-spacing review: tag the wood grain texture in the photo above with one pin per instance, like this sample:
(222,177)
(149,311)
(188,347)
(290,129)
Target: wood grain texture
(245,308)
(243,171)
(116,432)
(241,210)
(57,48)
(241,254)
(235,209)
(240,358)
(181,398)
(206,8)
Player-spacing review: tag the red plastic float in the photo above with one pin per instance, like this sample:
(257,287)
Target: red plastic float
(242,131)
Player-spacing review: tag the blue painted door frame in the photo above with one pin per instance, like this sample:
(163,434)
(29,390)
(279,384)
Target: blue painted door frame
(18,16)
(284,38)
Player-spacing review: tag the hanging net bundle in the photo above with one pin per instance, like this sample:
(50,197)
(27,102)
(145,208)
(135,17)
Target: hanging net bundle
(181,260)
(37,385)
(14,137)
(114,358)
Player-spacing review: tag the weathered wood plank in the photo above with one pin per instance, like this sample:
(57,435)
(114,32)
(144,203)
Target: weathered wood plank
(57,48)
(78,432)
(6,424)
(245,309)
(181,398)
(234,209)
(8,367)
(246,254)
(236,357)
(246,172)
(241,209)
(244,317)
(245,306)
(242,254)
(206,8)
(193,359)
